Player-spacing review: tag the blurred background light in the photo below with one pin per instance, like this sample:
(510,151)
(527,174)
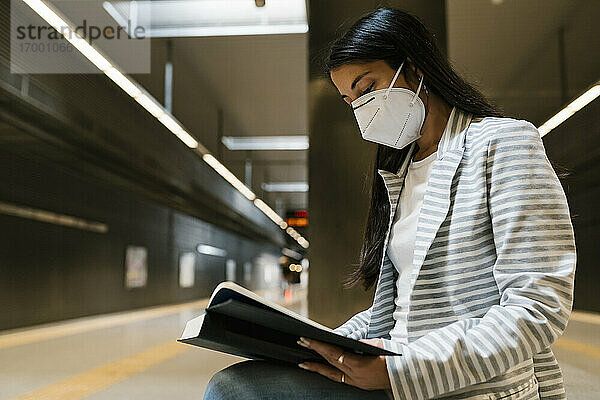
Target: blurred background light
(181,18)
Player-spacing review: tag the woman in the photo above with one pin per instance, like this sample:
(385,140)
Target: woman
(469,239)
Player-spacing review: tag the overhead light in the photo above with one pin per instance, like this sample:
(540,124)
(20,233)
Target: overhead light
(229,176)
(265,142)
(58,23)
(285,187)
(295,267)
(123,82)
(587,97)
(89,52)
(172,125)
(150,104)
(202,31)
(181,18)
(211,250)
(298,237)
(268,211)
(46,13)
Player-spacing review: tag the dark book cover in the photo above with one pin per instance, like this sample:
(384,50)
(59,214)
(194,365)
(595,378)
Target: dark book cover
(239,322)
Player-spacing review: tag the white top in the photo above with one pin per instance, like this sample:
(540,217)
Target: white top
(401,243)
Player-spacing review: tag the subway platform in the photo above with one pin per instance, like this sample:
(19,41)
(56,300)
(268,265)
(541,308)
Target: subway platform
(134,355)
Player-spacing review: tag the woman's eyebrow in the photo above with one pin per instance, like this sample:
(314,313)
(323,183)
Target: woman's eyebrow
(355,81)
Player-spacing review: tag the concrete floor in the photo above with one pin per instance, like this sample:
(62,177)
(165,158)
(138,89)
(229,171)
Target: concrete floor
(578,353)
(134,357)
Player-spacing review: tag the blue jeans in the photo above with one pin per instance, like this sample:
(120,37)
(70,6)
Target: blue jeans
(259,379)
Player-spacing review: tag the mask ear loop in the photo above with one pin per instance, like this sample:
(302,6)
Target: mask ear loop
(387,91)
(418,90)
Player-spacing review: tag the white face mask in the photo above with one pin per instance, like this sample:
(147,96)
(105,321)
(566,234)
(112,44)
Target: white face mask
(393,116)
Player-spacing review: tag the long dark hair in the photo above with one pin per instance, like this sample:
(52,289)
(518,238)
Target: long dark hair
(392,35)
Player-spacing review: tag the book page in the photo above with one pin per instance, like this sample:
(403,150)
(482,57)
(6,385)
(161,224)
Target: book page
(192,328)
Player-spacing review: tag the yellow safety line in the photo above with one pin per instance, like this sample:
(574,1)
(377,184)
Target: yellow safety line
(92,381)
(94,323)
(35,334)
(586,317)
(584,349)
(78,386)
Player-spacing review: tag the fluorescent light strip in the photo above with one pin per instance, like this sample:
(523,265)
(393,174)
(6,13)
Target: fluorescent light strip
(149,103)
(294,234)
(198,31)
(229,177)
(89,52)
(268,211)
(121,80)
(74,38)
(285,187)
(180,18)
(51,217)
(211,250)
(172,125)
(292,142)
(576,105)
(278,220)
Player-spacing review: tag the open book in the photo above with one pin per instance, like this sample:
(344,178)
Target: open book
(238,321)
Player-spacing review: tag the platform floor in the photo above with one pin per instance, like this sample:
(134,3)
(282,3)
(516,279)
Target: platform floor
(133,356)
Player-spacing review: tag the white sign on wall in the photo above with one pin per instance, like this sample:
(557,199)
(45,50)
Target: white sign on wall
(230,267)
(187,269)
(136,266)
(247,272)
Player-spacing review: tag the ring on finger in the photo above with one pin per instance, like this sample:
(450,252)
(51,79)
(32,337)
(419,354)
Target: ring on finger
(341,358)
(343,378)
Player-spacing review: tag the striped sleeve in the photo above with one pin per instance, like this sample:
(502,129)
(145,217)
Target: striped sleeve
(356,327)
(533,271)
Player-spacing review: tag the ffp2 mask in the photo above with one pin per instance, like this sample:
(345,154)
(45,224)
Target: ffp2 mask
(392,117)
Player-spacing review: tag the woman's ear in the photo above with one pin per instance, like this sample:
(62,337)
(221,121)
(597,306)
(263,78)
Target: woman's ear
(413,68)
(415,73)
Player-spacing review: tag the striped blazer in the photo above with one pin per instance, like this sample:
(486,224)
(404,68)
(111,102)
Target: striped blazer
(493,270)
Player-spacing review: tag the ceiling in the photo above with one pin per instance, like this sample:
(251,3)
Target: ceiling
(260,82)
(509,49)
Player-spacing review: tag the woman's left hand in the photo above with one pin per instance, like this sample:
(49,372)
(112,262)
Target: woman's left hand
(363,371)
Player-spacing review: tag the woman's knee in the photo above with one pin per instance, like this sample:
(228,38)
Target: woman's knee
(259,379)
(229,382)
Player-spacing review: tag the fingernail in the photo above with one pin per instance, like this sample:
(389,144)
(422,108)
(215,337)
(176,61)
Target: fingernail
(305,340)
(302,365)
(301,343)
